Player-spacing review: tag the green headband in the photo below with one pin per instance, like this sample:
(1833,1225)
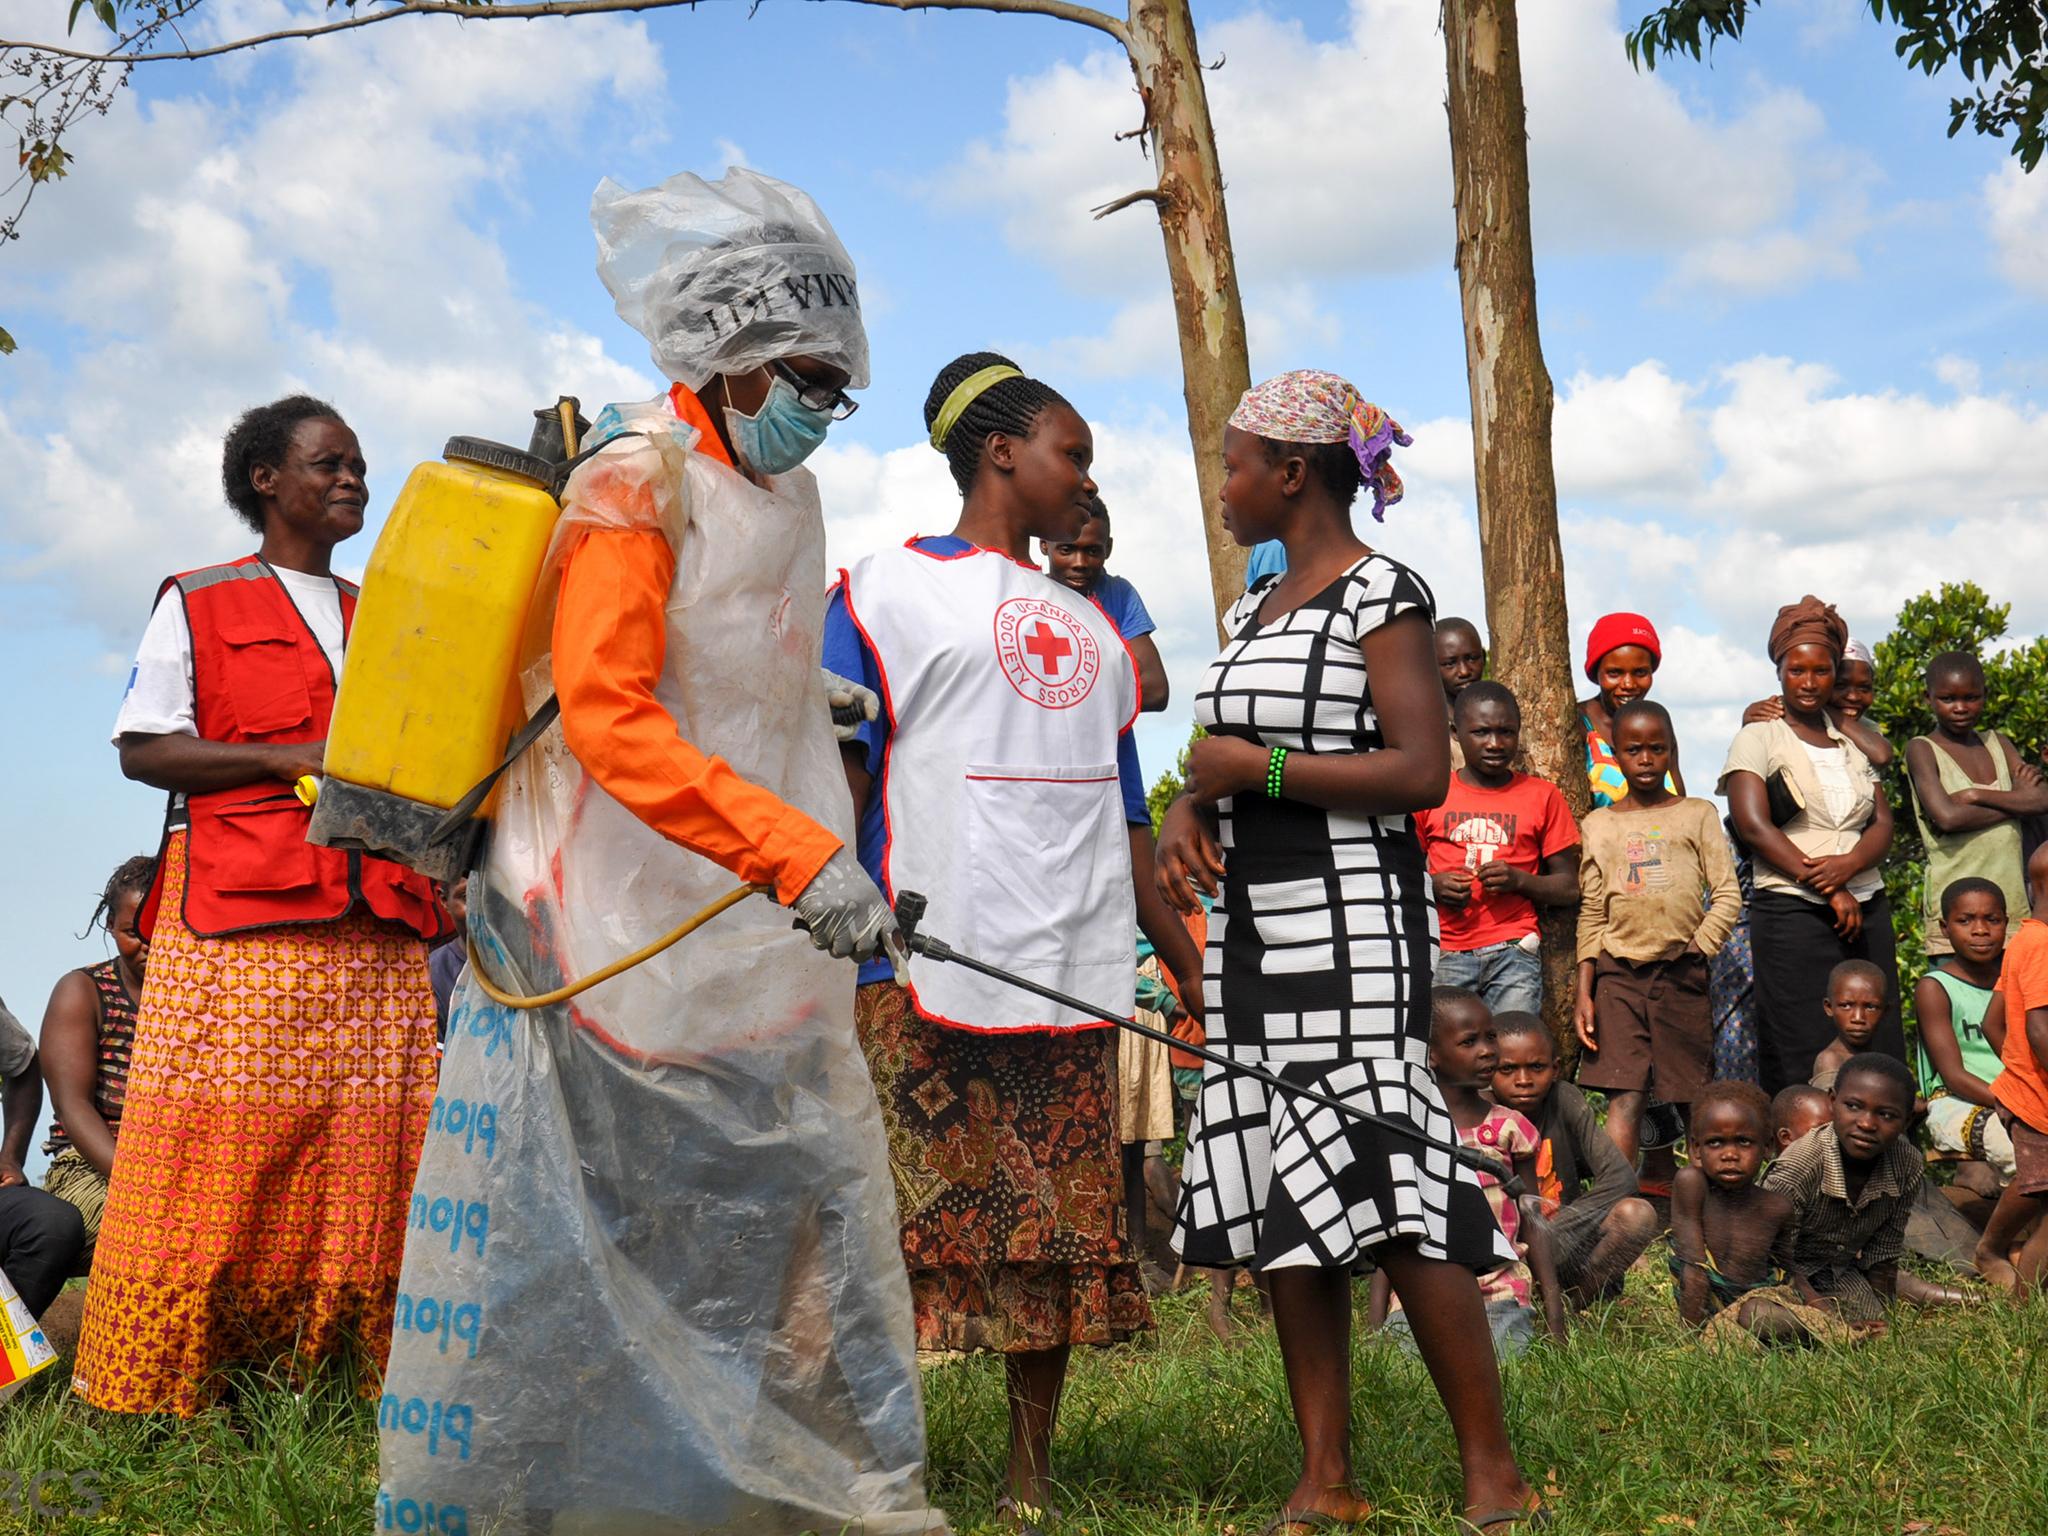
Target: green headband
(969,390)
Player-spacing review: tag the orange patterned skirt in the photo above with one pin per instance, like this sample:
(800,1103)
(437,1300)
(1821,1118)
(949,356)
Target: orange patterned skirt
(1009,1180)
(279,1091)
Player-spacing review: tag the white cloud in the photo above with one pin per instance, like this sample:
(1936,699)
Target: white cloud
(310,229)
(2016,208)
(1337,158)
(1867,464)
(1773,261)
(1767,480)
(1627,435)
(1960,374)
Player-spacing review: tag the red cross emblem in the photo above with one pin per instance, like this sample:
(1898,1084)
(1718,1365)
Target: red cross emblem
(1049,646)
(1046,652)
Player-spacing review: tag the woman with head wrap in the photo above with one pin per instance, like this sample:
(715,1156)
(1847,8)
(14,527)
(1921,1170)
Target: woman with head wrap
(1622,657)
(1002,784)
(1855,688)
(1805,799)
(1325,722)
(652,1281)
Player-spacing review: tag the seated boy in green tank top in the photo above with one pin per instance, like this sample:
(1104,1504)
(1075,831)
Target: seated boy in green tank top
(1970,789)
(1958,1060)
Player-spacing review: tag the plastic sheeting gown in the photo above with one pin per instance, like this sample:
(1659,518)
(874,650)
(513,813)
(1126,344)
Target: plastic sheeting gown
(653,1282)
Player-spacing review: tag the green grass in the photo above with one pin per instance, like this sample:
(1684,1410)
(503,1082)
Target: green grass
(1939,1428)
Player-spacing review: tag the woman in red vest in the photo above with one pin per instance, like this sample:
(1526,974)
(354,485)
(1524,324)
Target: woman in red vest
(283,1065)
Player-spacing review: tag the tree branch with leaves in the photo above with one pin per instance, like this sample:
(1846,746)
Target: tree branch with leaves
(2000,45)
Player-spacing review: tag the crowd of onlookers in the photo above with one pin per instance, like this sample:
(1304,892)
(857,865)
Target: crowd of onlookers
(1737,987)
(1735,984)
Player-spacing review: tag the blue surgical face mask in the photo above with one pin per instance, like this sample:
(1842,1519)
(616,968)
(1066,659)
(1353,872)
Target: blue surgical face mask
(779,436)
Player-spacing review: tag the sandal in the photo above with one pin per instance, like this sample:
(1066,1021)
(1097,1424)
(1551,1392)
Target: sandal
(1536,1517)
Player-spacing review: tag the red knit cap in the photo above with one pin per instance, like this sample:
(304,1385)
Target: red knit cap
(1614,630)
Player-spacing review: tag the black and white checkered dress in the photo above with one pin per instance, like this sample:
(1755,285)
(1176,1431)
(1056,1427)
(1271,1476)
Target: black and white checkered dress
(1318,967)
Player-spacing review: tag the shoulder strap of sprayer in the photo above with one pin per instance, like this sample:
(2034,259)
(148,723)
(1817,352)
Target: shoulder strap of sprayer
(464,810)
(460,813)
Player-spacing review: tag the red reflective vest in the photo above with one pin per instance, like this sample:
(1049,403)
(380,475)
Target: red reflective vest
(258,675)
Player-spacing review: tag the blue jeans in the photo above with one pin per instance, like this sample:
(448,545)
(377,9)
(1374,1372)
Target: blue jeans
(1507,977)
(1513,1326)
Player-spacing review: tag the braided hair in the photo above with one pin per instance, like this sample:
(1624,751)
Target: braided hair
(1011,407)
(263,435)
(137,875)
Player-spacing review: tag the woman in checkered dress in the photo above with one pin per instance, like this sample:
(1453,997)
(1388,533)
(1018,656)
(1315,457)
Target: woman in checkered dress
(1320,949)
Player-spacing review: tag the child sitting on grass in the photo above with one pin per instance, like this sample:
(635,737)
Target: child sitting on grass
(1462,1055)
(1730,1236)
(2022,1094)
(1646,931)
(1797,1110)
(1958,1056)
(1851,1184)
(1855,1006)
(1599,1226)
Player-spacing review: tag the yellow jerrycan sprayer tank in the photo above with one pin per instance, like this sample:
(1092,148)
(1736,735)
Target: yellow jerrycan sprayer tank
(429,700)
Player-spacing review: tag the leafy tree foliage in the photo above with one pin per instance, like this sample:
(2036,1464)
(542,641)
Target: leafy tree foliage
(1167,787)
(1999,45)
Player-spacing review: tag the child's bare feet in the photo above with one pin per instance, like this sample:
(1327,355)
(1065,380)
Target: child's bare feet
(1218,1313)
(1998,1272)
(1926,1293)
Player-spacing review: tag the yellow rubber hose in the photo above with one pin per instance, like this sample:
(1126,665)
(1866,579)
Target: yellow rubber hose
(562,994)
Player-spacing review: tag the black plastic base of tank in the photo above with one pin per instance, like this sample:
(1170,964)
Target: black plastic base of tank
(365,820)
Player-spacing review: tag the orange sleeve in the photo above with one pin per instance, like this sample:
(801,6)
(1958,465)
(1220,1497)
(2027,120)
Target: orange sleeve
(610,639)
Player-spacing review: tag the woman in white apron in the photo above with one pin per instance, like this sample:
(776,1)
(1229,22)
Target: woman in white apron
(652,1283)
(1001,783)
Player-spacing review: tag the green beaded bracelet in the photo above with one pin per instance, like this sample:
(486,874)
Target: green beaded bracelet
(1276,766)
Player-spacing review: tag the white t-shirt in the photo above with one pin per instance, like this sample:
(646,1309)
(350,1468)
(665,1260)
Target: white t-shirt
(159,700)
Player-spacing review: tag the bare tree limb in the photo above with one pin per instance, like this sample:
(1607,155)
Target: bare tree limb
(475,10)
(1153,195)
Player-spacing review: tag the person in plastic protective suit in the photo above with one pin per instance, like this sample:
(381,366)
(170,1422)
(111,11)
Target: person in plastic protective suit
(652,1281)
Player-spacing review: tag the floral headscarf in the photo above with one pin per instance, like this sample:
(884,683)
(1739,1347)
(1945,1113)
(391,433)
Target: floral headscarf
(1311,406)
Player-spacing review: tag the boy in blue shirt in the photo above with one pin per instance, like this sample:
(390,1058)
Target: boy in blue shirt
(1079,565)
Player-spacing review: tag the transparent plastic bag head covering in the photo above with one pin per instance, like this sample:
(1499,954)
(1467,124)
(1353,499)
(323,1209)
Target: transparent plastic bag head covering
(725,276)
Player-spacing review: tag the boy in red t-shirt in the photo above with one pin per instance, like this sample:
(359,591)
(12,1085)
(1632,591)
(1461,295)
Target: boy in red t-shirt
(1501,844)
(2022,1094)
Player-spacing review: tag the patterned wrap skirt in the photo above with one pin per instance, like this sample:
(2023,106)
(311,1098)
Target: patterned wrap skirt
(1009,1180)
(280,1089)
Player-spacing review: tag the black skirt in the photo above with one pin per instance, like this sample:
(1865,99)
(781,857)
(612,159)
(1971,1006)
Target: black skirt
(1796,946)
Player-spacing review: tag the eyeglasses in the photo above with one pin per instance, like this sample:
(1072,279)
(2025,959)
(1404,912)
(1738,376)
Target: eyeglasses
(815,396)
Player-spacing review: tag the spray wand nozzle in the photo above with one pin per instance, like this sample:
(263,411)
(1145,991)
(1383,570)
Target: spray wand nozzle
(910,911)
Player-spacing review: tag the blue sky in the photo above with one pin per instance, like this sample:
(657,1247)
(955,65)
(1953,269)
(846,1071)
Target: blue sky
(1800,337)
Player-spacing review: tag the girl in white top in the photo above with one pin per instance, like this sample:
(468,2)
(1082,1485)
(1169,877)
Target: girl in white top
(1819,896)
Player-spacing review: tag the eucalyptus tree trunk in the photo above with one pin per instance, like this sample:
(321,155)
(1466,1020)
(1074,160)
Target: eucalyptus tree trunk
(1527,628)
(1215,358)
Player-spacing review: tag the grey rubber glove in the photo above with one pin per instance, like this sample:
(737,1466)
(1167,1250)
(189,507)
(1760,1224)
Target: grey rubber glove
(847,915)
(852,705)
